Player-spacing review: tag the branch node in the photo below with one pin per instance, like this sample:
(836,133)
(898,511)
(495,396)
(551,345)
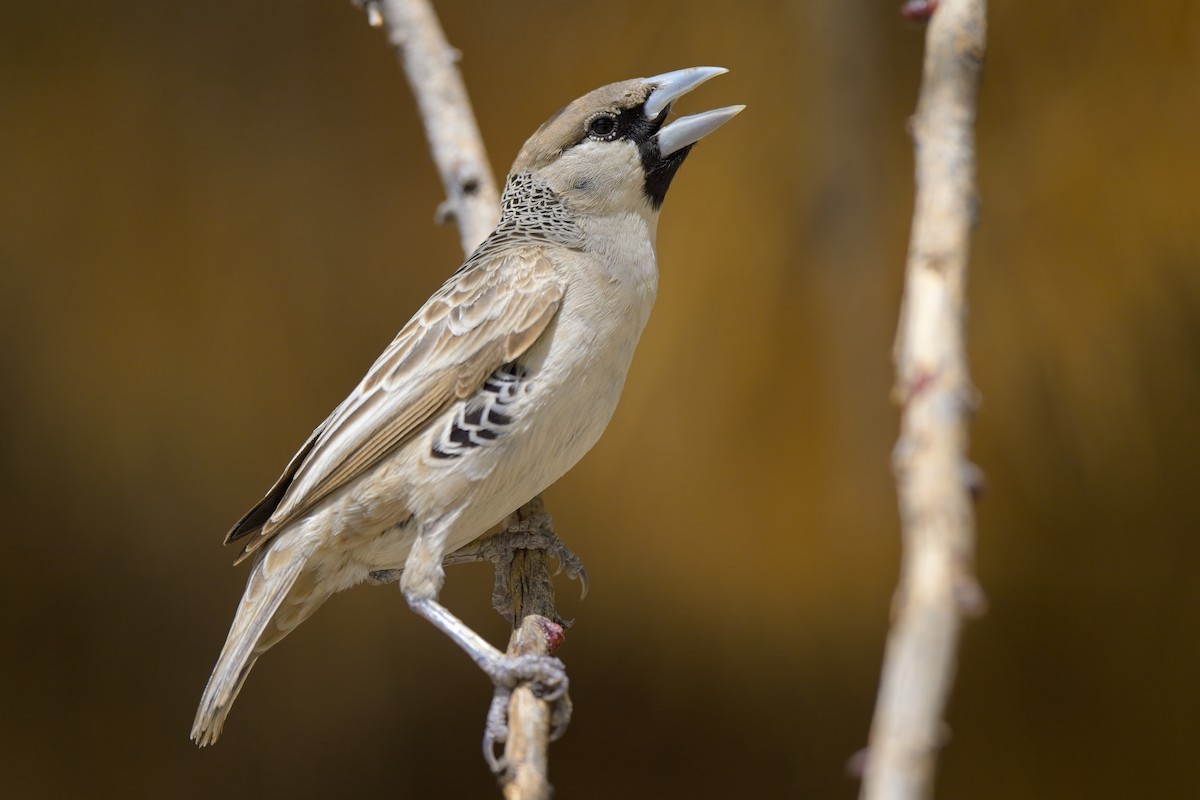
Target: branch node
(374,18)
(969,595)
(445,213)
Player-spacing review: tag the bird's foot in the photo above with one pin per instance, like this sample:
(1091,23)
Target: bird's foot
(546,677)
(528,664)
(537,533)
(529,533)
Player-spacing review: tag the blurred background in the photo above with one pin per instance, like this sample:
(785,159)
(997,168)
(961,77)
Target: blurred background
(213,216)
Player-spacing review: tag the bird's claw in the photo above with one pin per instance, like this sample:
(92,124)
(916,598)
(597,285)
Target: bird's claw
(546,674)
(537,533)
(495,730)
(560,716)
(571,563)
(547,679)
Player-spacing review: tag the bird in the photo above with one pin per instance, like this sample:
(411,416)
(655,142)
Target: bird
(499,384)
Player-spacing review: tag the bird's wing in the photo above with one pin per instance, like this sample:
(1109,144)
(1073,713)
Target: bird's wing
(486,315)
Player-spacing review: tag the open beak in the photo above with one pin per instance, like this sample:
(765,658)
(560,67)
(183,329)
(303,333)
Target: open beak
(686,130)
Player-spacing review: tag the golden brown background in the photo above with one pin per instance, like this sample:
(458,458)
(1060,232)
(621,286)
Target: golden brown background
(214,215)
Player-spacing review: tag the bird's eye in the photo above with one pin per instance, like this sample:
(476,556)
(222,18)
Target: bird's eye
(602,126)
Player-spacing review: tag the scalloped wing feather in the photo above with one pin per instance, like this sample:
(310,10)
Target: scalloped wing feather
(486,315)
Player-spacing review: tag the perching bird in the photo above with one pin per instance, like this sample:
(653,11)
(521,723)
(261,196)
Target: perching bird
(497,386)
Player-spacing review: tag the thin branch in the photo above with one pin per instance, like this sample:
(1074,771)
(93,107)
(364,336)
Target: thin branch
(531,721)
(527,751)
(537,630)
(430,64)
(472,201)
(935,482)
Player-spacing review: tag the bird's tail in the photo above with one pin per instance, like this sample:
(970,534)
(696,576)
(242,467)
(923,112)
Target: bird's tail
(257,625)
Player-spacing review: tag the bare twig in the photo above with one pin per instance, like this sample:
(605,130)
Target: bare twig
(474,204)
(526,754)
(430,64)
(934,479)
(531,721)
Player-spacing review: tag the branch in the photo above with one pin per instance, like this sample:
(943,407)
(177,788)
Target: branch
(935,482)
(474,204)
(531,722)
(537,630)
(429,63)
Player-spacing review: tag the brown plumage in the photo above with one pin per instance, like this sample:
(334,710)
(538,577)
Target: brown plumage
(502,380)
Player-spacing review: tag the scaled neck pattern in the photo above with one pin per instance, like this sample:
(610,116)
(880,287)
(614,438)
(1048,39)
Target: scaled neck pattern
(530,213)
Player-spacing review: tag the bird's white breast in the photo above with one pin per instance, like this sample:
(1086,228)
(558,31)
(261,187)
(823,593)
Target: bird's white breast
(575,373)
(577,370)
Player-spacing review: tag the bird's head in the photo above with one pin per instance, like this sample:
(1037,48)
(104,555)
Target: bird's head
(610,151)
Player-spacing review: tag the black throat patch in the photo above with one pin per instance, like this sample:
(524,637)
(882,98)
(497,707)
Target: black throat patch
(659,171)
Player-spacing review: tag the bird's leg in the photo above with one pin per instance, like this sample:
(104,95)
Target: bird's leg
(530,533)
(545,674)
